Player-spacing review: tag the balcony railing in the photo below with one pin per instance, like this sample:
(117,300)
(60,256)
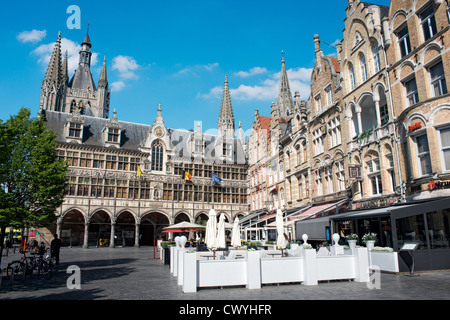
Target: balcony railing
(371,135)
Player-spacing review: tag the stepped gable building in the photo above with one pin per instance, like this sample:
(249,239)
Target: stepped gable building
(368,107)
(127,181)
(420,77)
(266,161)
(315,171)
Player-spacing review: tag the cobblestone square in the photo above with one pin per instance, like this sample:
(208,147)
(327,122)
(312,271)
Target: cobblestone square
(132,274)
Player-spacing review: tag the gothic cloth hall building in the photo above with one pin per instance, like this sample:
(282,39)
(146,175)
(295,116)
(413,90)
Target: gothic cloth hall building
(127,180)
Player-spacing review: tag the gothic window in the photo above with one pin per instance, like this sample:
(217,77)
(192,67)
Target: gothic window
(412,95)
(444,141)
(428,22)
(157,156)
(351,73)
(329,179)
(318,180)
(329,95)
(438,83)
(376,57)
(198,146)
(340,175)
(363,66)
(73,106)
(318,142)
(75,130)
(335,131)
(374,174)
(423,155)
(113,135)
(404,41)
(318,103)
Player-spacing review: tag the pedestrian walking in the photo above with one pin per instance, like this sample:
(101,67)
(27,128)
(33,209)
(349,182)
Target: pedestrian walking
(55,246)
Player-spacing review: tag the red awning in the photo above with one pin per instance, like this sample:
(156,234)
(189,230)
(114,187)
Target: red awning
(310,212)
(178,231)
(272,215)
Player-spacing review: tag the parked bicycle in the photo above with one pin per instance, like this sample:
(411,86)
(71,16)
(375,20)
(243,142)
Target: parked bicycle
(23,269)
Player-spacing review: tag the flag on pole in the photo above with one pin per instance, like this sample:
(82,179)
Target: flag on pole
(187,176)
(215,178)
(139,173)
(101,171)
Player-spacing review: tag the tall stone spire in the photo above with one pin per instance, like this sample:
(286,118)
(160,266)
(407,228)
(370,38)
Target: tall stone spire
(226,117)
(103,81)
(285,104)
(82,80)
(54,69)
(103,93)
(65,70)
(51,94)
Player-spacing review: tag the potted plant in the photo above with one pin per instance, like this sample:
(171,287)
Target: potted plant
(369,239)
(352,238)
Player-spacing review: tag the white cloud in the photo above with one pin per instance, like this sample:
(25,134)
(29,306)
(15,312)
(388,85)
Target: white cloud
(193,70)
(245,92)
(44,52)
(126,67)
(211,66)
(215,92)
(301,74)
(267,90)
(117,86)
(33,36)
(336,42)
(251,72)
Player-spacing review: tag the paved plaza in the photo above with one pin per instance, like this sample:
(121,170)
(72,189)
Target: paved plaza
(132,274)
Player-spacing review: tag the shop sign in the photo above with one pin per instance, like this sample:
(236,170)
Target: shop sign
(375,203)
(415,127)
(432,185)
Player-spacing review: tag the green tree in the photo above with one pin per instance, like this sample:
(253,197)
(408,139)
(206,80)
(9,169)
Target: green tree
(32,179)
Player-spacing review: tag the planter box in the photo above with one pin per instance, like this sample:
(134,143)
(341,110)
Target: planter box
(281,270)
(386,261)
(222,273)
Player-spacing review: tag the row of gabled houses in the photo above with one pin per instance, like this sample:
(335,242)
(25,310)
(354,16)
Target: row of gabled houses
(372,139)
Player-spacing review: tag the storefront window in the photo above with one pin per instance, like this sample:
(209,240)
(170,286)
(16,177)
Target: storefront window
(439,229)
(411,230)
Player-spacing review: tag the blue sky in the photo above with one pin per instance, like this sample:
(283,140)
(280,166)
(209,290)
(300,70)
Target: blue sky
(171,52)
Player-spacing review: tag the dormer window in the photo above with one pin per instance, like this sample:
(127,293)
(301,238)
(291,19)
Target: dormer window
(113,135)
(75,130)
(74,126)
(112,131)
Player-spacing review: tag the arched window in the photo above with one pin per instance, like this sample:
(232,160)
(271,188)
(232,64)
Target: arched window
(157,156)
(376,57)
(363,66)
(351,73)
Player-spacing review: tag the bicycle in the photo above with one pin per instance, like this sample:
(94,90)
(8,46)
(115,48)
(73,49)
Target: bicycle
(43,266)
(19,270)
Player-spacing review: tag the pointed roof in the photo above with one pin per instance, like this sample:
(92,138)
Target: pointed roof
(226,108)
(284,100)
(65,70)
(103,81)
(87,40)
(54,70)
(82,79)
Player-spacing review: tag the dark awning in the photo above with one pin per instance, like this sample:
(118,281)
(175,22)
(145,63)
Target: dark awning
(397,211)
(314,228)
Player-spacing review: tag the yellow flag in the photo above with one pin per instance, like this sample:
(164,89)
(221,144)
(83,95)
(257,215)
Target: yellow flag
(139,172)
